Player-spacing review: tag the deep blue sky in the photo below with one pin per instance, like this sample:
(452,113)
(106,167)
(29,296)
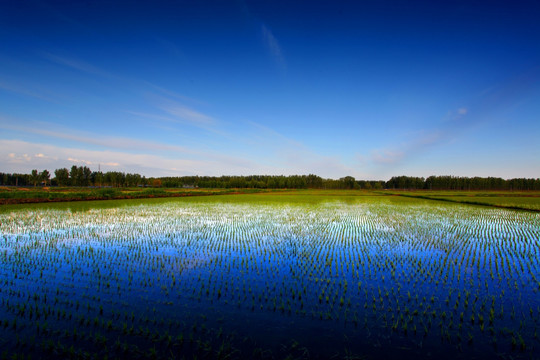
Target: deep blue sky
(370,89)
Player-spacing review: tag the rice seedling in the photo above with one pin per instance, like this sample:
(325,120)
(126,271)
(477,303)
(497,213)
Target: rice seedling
(141,274)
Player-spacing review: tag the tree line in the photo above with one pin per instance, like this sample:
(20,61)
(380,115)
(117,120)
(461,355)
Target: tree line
(83,176)
(461,183)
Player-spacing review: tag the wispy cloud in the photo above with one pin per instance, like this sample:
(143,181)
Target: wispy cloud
(77,64)
(273,46)
(18,160)
(53,131)
(18,89)
(270,42)
(387,156)
(166,105)
(511,91)
(151,116)
(454,116)
(309,162)
(171,47)
(112,144)
(265,134)
(289,156)
(171,93)
(282,156)
(462,111)
(186,114)
(385,161)
(477,113)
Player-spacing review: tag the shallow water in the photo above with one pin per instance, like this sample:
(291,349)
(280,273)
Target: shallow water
(269,277)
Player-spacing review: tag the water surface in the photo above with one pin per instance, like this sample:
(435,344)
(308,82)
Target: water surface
(269,277)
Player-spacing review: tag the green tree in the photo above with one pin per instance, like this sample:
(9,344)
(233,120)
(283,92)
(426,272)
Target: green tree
(86,175)
(74,176)
(34,177)
(62,176)
(97,178)
(45,176)
(314,181)
(348,182)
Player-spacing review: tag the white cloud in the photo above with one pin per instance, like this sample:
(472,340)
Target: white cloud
(78,161)
(18,158)
(462,111)
(90,163)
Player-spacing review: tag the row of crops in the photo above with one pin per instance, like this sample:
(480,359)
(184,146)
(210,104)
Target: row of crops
(365,278)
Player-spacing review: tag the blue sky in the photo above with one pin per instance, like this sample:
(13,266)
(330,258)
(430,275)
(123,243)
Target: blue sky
(370,89)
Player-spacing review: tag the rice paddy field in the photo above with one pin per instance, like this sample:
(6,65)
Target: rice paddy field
(525,200)
(269,277)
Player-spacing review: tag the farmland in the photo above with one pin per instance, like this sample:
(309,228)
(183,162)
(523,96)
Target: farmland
(269,276)
(25,195)
(525,200)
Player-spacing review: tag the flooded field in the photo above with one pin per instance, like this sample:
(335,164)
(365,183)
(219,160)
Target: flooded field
(259,276)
